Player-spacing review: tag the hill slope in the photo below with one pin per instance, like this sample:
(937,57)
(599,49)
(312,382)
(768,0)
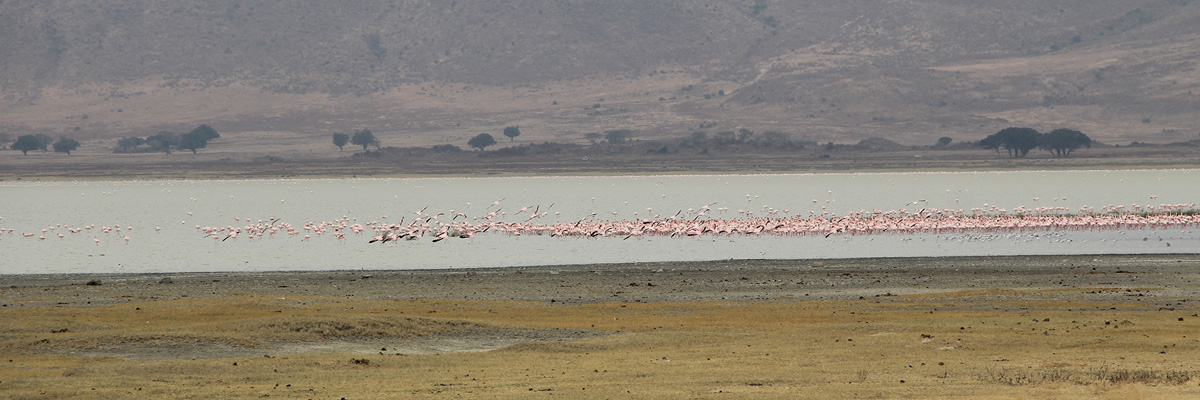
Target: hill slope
(436,72)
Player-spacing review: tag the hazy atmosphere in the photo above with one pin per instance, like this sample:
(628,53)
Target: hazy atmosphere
(599,199)
(424,73)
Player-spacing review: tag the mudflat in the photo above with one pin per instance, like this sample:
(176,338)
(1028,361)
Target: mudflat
(1089,326)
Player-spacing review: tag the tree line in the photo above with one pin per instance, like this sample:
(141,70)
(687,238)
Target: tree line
(165,141)
(615,136)
(44,142)
(482,141)
(365,138)
(362,137)
(1019,141)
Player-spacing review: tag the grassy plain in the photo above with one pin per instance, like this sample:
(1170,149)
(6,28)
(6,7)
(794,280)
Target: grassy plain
(984,327)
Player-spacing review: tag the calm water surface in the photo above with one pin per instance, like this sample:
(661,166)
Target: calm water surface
(177,207)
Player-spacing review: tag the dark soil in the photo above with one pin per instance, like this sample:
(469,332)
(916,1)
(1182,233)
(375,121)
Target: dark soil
(744,280)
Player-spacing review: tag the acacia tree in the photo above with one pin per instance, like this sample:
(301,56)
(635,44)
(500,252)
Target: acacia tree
(481,140)
(1062,141)
(992,142)
(64,145)
(25,143)
(1021,140)
(340,140)
(365,138)
(132,142)
(163,141)
(207,132)
(1018,141)
(193,141)
(44,141)
(512,132)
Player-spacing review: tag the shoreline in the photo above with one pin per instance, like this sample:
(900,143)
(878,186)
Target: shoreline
(825,279)
(219,176)
(611,174)
(1089,326)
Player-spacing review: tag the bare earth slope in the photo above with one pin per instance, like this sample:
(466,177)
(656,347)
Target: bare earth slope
(423,73)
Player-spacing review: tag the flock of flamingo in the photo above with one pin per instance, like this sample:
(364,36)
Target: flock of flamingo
(698,222)
(702,221)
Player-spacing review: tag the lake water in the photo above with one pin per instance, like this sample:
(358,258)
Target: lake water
(176,208)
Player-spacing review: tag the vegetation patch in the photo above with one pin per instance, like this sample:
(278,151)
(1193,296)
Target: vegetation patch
(372,327)
(259,332)
(1102,375)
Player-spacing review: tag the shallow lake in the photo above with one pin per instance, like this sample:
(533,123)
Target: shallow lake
(160,218)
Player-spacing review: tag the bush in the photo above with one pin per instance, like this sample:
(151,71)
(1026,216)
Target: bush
(364,138)
(506,152)
(481,141)
(340,140)
(446,148)
(26,143)
(64,145)
(617,136)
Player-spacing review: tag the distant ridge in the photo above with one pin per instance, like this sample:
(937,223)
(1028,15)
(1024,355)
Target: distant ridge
(908,71)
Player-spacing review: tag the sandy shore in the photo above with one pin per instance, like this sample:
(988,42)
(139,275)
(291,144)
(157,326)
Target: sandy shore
(736,280)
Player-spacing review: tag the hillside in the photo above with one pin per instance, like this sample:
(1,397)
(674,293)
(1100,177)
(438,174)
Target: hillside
(421,73)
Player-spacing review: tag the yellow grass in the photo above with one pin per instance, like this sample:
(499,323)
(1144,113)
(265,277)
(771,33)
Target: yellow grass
(950,345)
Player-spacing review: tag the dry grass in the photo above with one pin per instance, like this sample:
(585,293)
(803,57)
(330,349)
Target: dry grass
(249,322)
(1101,375)
(998,347)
